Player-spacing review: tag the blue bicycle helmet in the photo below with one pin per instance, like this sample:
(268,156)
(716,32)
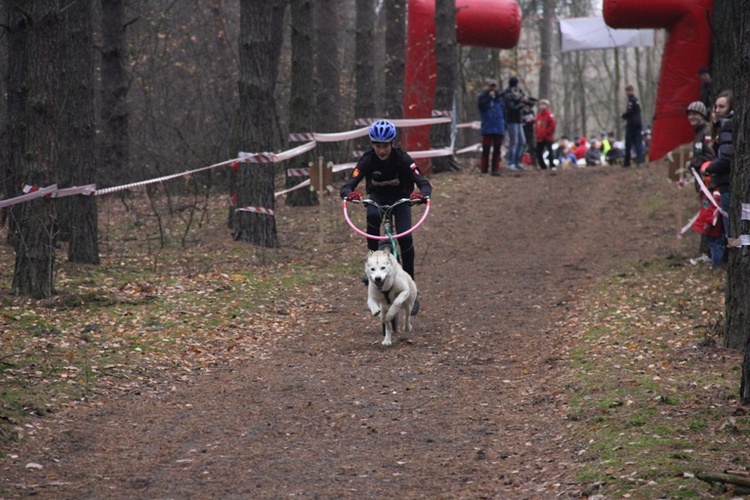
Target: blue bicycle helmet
(382,131)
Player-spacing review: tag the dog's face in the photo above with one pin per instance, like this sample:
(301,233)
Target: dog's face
(378,267)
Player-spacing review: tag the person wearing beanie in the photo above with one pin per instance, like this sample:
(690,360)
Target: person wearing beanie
(514,99)
(711,245)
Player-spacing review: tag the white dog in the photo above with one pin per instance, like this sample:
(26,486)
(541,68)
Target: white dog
(390,291)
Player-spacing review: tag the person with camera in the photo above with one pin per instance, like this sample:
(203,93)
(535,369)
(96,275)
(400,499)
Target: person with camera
(492,115)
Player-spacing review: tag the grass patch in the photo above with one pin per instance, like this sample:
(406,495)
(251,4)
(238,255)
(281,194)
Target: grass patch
(653,400)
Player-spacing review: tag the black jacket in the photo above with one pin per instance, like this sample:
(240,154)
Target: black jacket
(513,98)
(633,114)
(720,167)
(393,178)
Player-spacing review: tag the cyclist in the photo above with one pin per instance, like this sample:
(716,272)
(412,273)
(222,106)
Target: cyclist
(390,174)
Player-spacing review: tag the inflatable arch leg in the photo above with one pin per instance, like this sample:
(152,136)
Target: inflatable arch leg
(688,48)
(482,23)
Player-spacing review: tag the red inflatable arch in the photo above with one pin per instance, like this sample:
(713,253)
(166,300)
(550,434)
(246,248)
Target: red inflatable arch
(688,48)
(483,23)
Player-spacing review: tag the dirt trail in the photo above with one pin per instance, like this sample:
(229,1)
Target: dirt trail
(471,404)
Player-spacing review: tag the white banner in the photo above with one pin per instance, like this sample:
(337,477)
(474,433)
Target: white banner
(589,33)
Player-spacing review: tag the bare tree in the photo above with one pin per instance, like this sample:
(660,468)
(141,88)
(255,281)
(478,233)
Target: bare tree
(395,53)
(77,166)
(546,34)
(446,57)
(364,104)
(39,22)
(114,147)
(327,72)
(302,93)
(261,30)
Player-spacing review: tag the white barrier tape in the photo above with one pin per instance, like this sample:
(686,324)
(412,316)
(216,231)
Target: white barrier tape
(86,190)
(359,153)
(114,189)
(257,210)
(342,136)
(297,172)
(742,241)
(431,153)
(302,184)
(291,153)
(745,211)
(407,122)
(474,125)
(689,225)
(706,192)
(30,195)
(470,149)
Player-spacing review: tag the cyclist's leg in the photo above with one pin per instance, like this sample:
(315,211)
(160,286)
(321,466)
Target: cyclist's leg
(402,214)
(374,219)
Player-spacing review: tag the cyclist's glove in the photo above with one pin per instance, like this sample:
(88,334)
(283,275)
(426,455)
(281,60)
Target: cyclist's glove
(354,196)
(418,197)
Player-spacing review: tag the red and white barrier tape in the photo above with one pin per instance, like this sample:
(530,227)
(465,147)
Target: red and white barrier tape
(31,193)
(435,112)
(297,172)
(257,210)
(114,189)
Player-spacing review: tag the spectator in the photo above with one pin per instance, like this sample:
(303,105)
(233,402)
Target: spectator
(491,111)
(606,144)
(710,243)
(514,97)
(527,120)
(544,129)
(580,148)
(706,87)
(633,128)
(565,158)
(720,168)
(593,154)
(616,153)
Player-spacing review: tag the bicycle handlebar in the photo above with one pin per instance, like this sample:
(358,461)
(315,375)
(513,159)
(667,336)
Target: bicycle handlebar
(425,201)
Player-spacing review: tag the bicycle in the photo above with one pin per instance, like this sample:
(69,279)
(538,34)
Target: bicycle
(388,241)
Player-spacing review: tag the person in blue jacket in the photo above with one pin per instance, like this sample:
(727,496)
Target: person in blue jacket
(492,113)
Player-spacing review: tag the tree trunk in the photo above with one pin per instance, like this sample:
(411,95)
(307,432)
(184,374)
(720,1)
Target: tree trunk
(261,28)
(18,89)
(446,58)
(77,166)
(302,93)
(546,34)
(327,74)
(35,256)
(395,50)
(737,321)
(114,143)
(364,105)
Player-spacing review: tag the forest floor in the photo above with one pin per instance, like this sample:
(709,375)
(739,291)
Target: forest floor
(565,347)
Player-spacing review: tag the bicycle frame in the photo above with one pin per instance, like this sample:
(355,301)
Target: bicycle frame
(387,212)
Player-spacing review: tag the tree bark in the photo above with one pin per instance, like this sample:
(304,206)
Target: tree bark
(546,34)
(446,57)
(114,143)
(77,165)
(302,93)
(35,257)
(737,320)
(364,105)
(327,73)
(261,28)
(395,51)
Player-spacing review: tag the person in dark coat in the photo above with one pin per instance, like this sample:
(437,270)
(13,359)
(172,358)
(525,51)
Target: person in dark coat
(633,128)
(492,115)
